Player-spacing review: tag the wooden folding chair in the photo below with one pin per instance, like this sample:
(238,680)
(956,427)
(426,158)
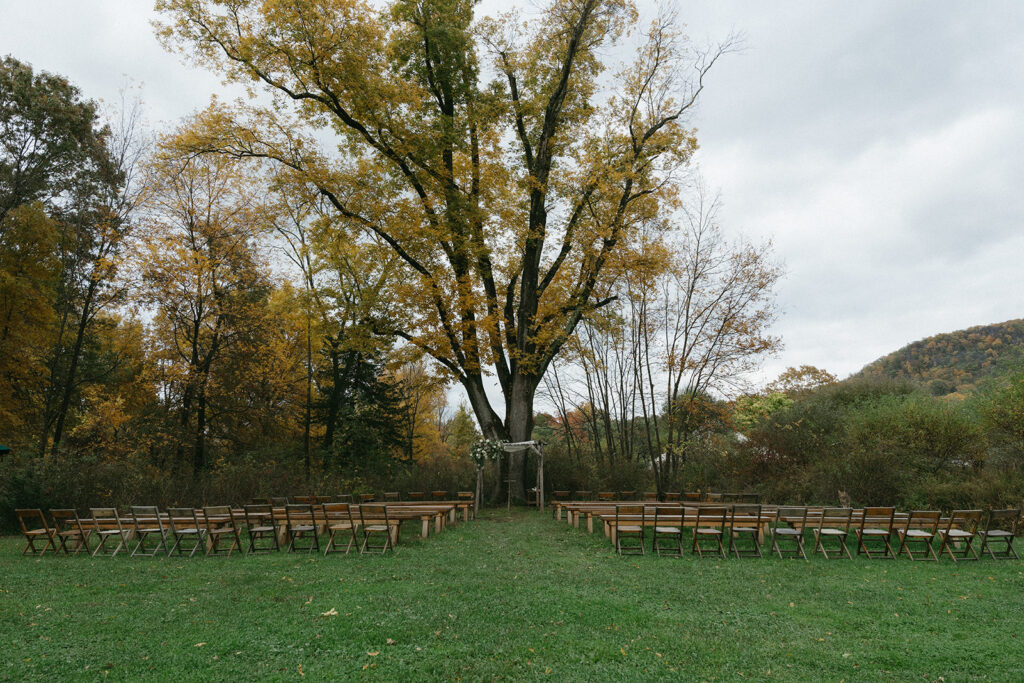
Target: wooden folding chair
(833,525)
(876,525)
(745,521)
(710,525)
(67,527)
(36,529)
(391,497)
(748,498)
(789,526)
(467,496)
(147,522)
(710,497)
(108,526)
(629,523)
(961,528)
(584,495)
(672,529)
(220,525)
(673,497)
(415,495)
(439,495)
(692,496)
(339,519)
(374,522)
(304,500)
(605,496)
(627,495)
(367,498)
(260,501)
(185,527)
(259,525)
(300,523)
(279,502)
(649,497)
(1000,526)
(344,498)
(920,527)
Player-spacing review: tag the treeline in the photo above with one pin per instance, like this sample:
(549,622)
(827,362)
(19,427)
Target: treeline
(955,362)
(172,331)
(862,441)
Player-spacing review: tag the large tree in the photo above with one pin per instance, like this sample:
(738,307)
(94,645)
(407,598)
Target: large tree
(494,157)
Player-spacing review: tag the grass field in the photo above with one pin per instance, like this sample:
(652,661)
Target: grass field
(507,597)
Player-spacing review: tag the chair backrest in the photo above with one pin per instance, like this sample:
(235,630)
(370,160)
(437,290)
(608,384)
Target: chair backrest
(1004,520)
(337,512)
(692,495)
(965,520)
(713,497)
(712,515)
(439,495)
(584,495)
(258,514)
(877,518)
(673,496)
(142,514)
(748,498)
(629,511)
(299,514)
(66,519)
(391,496)
(367,497)
(835,518)
(464,495)
(260,501)
(415,495)
(319,500)
(649,495)
(182,518)
(279,502)
(373,513)
(790,516)
(304,499)
(109,515)
(730,497)
(218,515)
(343,498)
(925,520)
(605,495)
(32,519)
(627,495)
(559,495)
(746,515)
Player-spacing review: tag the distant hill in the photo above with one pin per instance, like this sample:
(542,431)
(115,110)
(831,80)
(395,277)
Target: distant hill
(955,362)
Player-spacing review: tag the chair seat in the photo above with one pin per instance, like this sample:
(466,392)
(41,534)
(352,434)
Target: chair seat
(786,531)
(303,527)
(712,531)
(876,532)
(261,528)
(37,532)
(833,532)
(108,532)
(745,529)
(919,533)
(149,530)
(958,533)
(630,529)
(1001,533)
(188,531)
(339,526)
(226,530)
(376,527)
(668,530)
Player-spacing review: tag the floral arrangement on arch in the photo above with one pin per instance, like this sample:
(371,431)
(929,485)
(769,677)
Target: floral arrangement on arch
(486,450)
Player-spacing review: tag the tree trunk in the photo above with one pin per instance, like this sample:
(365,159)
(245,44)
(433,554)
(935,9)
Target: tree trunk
(76,354)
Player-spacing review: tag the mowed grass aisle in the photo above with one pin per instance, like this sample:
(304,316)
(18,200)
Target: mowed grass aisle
(507,597)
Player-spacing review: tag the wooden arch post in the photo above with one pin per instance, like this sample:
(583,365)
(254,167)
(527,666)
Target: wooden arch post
(538,448)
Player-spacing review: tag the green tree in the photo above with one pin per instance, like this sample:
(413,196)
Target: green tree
(507,200)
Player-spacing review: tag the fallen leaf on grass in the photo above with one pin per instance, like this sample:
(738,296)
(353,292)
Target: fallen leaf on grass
(199,644)
(301,673)
(373,654)
(330,613)
(390,641)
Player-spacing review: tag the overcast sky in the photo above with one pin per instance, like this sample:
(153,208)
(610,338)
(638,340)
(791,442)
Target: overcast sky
(879,144)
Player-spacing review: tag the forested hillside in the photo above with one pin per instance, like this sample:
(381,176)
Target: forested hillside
(957,361)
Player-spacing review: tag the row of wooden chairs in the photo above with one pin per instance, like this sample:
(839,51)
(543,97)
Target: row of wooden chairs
(735,530)
(651,496)
(183,530)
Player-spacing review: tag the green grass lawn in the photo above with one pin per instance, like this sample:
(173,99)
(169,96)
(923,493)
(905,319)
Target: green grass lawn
(507,597)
